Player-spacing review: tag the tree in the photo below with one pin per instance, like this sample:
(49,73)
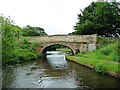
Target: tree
(102,18)
(33,31)
(9,40)
(15,50)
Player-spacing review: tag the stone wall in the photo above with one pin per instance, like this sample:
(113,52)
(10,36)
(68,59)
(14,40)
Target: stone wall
(84,43)
(65,38)
(73,46)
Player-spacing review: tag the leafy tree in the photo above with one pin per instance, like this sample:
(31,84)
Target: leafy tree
(15,48)
(9,41)
(102,18)
(33,31)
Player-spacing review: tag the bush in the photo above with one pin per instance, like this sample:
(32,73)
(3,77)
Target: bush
(27,51)
(15,47)
(26,55)
(103,41)
(109,52)
(100,68)
(106,51)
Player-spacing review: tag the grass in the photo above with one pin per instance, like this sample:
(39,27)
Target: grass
(98,65)
(108,52)
(64,49)
(104,60)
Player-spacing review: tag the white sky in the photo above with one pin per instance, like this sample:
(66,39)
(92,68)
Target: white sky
(55,16)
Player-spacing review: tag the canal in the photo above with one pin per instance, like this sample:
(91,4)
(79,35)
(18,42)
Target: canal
(54,71)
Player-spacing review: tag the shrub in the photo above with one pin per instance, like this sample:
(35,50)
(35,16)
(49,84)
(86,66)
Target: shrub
(100,68)
(106,51)
(27,51)
(26,55)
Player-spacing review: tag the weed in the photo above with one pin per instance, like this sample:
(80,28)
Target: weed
(100,68)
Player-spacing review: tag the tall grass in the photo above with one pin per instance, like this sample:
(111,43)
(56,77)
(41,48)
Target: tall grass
(100,66)
(108,52)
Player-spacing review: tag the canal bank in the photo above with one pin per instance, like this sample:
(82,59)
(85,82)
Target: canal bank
(99,66)
(54,72)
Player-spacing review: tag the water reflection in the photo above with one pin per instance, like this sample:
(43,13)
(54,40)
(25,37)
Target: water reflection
(9,71)
(55,72)
(57,76)
(57,60)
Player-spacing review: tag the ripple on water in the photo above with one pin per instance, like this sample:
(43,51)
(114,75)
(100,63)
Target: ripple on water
(55,72)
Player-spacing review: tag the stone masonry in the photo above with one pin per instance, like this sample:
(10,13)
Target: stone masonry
(83,43)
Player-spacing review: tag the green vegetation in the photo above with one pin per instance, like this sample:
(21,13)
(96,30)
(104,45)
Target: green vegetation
(33,31)
(63,49)
(99,66)
(103,41)
(59,47)
(66,50)
(15,47)
(101,18)
(26,50)
(104,60)
(108,52)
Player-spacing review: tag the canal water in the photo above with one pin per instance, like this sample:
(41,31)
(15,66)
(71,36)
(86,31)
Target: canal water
(54,72)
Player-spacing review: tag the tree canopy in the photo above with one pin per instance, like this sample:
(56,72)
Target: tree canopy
(9,34)
(33,31)
(15,47)
(101,18)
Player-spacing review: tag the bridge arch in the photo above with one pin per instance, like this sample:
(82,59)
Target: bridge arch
(45,48)
(77,43)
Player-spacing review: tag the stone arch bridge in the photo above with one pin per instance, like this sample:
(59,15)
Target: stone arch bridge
(83,43)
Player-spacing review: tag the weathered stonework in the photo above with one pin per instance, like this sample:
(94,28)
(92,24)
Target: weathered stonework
(84,43)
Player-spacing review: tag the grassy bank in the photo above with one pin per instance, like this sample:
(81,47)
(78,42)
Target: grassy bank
(67,50)
(103,60)
(108,52)
(100,66)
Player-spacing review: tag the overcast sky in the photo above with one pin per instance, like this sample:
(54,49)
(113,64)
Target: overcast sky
(55,16)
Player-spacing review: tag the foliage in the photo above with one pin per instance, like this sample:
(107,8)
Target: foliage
(54,47)
(33,31)
(14,48)
(9,40)
(86,28)
(102,18)
(108,52)
(102,41)
(118,50)
(27,50)
(64,49)
(100,66)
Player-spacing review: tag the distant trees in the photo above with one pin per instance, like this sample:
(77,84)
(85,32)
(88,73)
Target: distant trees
(101,18)
(33,31)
